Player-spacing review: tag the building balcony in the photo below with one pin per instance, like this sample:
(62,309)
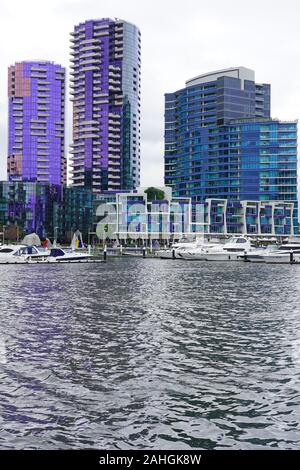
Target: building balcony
(77,160)
(102,26)
(90,62)
(100,34)
(89,136)
(99,94)
(114,67)
(77,178)
(93,47)
(78,170)
(113,171)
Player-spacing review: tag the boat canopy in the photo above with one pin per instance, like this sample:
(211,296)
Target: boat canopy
(32,240)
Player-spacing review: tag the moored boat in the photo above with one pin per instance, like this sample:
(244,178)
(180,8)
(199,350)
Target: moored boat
(67,254)
(176,248)
(281,258)
(22,253)
(233,250)
(197,253)
(256,255)
(286,253)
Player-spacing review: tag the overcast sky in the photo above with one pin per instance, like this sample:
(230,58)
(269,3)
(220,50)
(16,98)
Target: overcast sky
(180,39)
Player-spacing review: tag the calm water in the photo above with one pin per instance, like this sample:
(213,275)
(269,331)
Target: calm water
(150,354)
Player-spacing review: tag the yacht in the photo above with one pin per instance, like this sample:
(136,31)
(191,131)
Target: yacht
(198,252)
(256,255)
(286,253)
(173,252)
(233,250)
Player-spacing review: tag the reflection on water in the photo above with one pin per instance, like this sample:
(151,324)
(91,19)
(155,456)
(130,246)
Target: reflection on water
(150,354)
(2,351)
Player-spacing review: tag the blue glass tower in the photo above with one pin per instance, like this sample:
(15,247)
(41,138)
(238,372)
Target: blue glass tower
(220,141)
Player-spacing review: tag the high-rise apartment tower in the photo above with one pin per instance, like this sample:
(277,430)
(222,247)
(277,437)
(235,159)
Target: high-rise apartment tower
(220,141)
(36,120)
(105,83)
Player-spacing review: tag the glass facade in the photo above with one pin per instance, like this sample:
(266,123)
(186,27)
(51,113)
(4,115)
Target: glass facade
(36,143)
(105,83)
(76,213)
(32,207)
(220,142)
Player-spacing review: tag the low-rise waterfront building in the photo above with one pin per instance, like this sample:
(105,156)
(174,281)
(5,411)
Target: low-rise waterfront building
(132,215)
(270,218)
(30,207)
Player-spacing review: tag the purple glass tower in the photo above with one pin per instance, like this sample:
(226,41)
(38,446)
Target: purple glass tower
(105,83)
(36,143)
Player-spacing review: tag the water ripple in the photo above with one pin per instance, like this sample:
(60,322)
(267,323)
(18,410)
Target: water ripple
(150,354)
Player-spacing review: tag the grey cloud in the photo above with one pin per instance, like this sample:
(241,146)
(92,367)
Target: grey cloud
(179,41)
(152,163)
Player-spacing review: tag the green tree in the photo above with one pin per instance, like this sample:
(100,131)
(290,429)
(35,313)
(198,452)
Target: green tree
(154,194)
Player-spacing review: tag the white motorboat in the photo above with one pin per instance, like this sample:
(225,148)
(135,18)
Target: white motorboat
(22,253)
(233,250)
(173,252)
(286,253)
(67,255)
(256,255)
(282,258)
(197,253)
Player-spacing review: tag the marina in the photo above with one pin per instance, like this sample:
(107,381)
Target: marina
(237,248)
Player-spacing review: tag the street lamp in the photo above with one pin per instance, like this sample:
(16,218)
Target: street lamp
(3,234)
(89,238)
(55,234)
